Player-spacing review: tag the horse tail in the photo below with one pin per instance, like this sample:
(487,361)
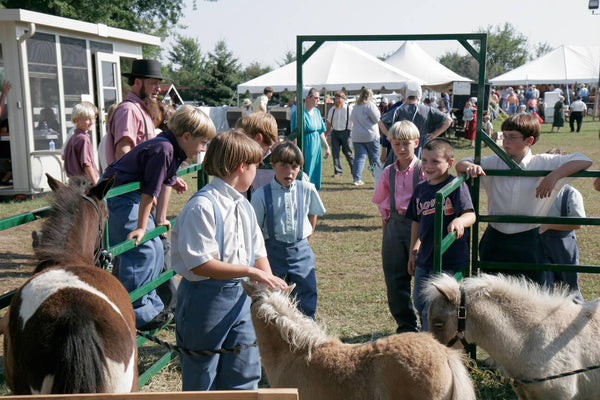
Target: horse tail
(462,384)
(81,363)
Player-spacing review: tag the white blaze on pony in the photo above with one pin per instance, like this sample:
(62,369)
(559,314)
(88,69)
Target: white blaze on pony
(296,352)
(530,332)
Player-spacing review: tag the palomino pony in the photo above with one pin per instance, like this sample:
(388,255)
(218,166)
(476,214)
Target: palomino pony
(71,326)
(530,332)
(296,352)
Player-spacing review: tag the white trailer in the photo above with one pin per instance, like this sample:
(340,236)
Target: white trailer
(54,63)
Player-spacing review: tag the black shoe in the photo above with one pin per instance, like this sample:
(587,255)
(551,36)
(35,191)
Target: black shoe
(163,318)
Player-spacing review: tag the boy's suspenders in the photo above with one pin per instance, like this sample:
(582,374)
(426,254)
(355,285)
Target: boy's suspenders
(392,180)
(219,235)
(347,116)
(299,211)
(564,201)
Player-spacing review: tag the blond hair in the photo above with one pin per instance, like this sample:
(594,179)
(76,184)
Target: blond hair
(228,151)
(193,120)
(404,130)
(259,122)
(84,109)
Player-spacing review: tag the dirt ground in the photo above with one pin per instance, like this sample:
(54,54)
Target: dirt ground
(16,256)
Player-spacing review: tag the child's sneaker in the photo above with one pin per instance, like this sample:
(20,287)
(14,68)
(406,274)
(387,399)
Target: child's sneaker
(358,183)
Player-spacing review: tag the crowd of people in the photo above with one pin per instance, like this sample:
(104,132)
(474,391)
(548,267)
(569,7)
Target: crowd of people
(256,218)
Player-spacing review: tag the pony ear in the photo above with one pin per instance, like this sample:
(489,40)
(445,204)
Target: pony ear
(249,288)
(54,184)
(100,190)
(288,290)
(445,291)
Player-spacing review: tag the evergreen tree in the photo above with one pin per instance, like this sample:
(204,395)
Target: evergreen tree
(221,76)
(186,67)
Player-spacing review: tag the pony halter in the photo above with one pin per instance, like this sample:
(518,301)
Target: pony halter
(98,247)
(461,314)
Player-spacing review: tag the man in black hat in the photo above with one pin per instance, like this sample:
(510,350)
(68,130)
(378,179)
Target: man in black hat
(132,121)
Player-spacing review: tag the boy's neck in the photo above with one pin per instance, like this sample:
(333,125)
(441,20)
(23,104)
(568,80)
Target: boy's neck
(282,184)
(438,180)
(405,163)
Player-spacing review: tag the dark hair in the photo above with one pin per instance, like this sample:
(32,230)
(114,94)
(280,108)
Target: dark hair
(525,123)
(229,150)
(440,144)
(288,153)
(268,90)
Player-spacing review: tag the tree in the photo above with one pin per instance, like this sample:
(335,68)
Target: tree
(464,65)
(253,70)
(221,77)
(186,66)
(289,57)
(542,48)
(155,17)
(506,49)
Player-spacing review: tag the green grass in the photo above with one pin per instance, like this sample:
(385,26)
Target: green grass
(347,243)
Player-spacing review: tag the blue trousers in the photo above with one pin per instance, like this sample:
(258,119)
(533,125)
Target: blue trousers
(143,263)
(295,263)
(361,152)
(560,247)
(213,314)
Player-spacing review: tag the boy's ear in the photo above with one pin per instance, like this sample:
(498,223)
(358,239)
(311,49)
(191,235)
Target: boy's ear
(416,142)
(450,163)
(530,140)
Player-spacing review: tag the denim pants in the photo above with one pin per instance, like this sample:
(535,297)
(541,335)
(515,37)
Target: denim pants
(361,151)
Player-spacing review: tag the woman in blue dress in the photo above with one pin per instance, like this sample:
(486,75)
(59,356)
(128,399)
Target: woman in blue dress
(314,135)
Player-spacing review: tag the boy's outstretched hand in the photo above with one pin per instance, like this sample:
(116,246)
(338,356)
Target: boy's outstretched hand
(271,280)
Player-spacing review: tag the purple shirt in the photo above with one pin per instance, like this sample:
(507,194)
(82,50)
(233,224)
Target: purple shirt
(127,121)
(79,153)
(152,163)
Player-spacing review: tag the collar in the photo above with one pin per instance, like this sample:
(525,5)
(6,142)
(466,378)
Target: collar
(406,170)
(527,159)
(278,186)
(177,150)
(226,189)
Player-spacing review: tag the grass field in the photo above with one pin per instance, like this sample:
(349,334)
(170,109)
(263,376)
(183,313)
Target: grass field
(347,243)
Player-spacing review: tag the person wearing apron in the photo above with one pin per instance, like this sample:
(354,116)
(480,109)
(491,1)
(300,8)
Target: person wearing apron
(287,210)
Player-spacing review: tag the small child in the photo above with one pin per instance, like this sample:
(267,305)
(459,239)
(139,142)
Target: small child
(216,242)
(154,163)
(438,157)
(287,211)
(520,195)
(262,127)
(488,127)
(399,178)
(79,152)
(470,119)
(559,241)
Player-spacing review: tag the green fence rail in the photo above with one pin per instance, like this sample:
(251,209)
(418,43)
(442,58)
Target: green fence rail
(119,248)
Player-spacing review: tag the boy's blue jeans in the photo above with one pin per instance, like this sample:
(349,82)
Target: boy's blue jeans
(361,151)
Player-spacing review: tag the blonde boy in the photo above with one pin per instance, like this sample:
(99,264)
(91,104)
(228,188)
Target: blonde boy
(458,216)
(392,196)
(78,153)
(216,243)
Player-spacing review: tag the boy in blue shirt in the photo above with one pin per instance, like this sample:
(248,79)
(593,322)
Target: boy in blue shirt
(437,159)
(216,243)
(287,210)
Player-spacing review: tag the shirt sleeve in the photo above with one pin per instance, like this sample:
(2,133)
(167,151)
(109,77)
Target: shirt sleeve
(575,207)
(154,177)
(258,203)
(316,206)
(462,200)
(382,192)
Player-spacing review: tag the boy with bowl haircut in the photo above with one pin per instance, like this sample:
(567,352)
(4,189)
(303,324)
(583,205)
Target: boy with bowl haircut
(216,243)
(153,163)
(392,196)
(458,216)
(287,211)
(79,152)
(520,195)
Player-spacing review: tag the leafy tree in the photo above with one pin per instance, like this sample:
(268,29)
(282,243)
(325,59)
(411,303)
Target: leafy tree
(221,77)
(542,48)
(464,65)
(289,57)
(186,66)
(254,70)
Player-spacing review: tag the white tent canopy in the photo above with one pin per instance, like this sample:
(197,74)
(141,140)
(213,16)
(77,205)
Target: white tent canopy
(410,57)
(564,65)
(334,66)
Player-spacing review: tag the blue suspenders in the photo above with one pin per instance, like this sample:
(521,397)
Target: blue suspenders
(219,235)
(299,210)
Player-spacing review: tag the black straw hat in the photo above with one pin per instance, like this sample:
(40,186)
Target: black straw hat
(145,69)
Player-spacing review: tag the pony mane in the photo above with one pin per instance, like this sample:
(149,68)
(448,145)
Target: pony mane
(66,203)
(486,285)
(298,330)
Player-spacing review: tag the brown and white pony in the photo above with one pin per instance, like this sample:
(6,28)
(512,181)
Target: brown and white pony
(71,326)
(296,352)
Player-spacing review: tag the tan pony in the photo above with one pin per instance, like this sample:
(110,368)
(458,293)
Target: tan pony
(296,352)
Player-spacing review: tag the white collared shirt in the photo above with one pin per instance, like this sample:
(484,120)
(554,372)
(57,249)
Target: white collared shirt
(511,195)
(338,117)
(194,240)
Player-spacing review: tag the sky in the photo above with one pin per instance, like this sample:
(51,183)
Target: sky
(264,30)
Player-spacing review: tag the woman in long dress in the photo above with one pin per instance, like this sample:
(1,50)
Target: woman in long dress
(314,135)
(559,119)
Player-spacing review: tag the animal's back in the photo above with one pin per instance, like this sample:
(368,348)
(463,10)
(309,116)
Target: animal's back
(55,343)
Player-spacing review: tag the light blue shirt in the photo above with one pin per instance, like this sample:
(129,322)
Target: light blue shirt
(284,209)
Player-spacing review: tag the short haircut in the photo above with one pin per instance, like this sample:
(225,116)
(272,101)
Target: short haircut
(268,90)
(259,122)
(525,123)
(288,153)
(228,151)
(442,145)
(191,119)
(404,130)
(84,109)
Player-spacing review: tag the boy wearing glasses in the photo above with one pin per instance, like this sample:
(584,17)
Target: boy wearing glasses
(520,195)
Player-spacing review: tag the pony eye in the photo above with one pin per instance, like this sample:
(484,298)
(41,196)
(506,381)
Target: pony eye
(438,325)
